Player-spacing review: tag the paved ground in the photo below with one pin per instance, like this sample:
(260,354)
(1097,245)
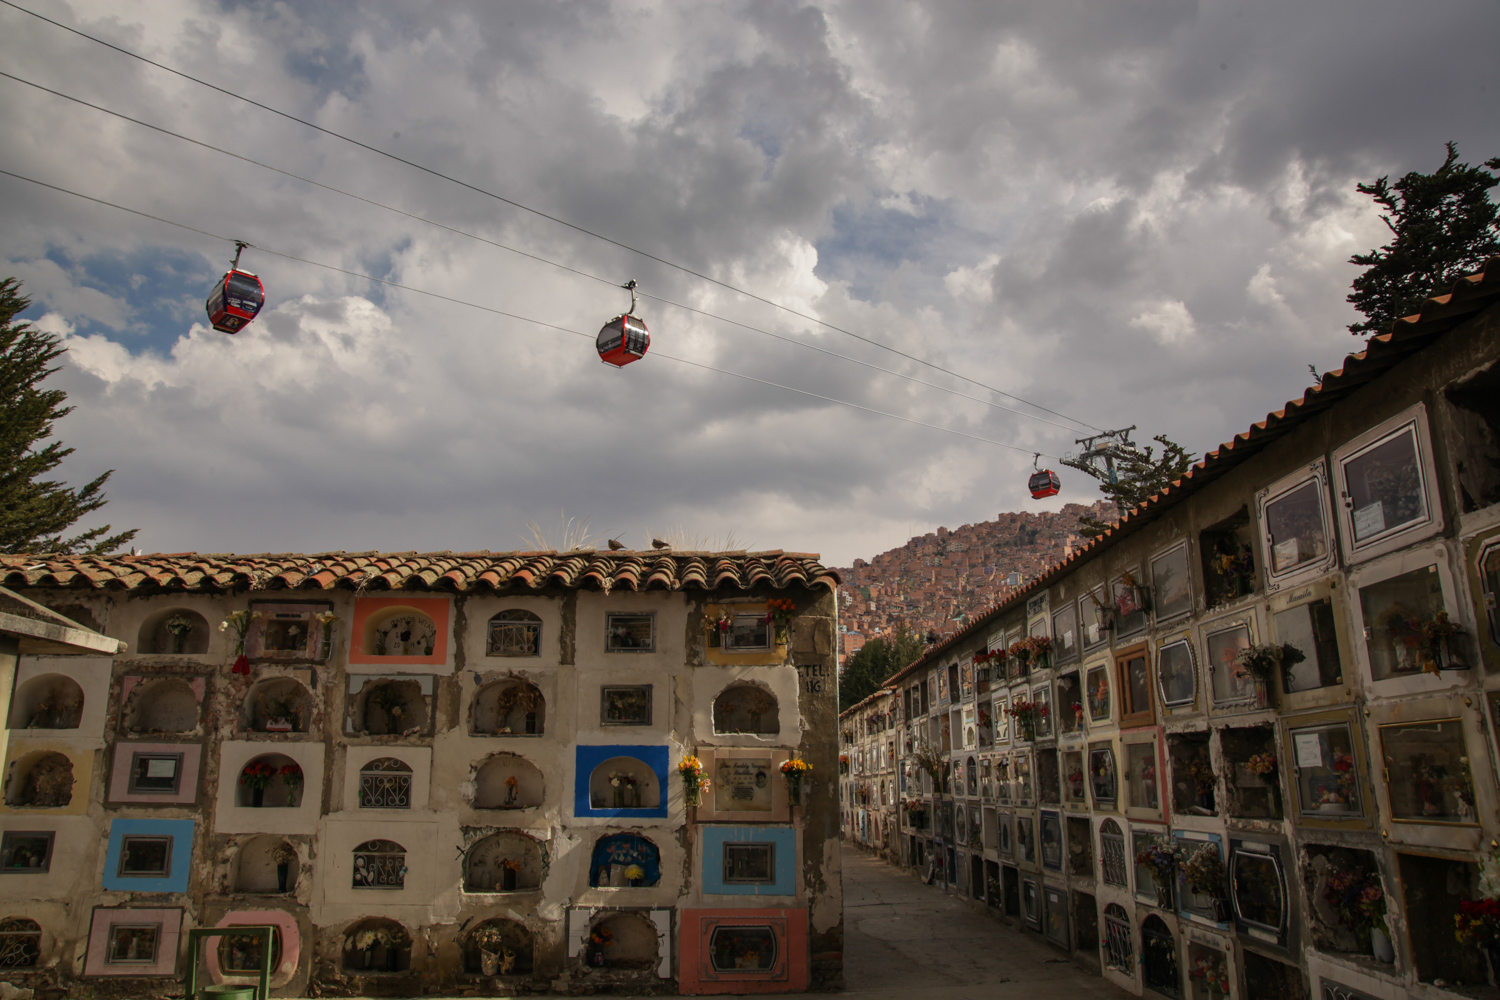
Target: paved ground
(909,940)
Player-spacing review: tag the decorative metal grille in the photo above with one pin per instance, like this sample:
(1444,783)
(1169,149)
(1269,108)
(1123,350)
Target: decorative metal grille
(20,944)
(515,633)
(1159,958)
(1119,953)
(1112,854)
(379,864)
(1338,991)
(385,784)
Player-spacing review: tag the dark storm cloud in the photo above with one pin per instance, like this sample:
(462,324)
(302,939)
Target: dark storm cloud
(1136,212)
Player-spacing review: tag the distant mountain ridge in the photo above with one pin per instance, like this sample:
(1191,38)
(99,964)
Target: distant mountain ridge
(932,580)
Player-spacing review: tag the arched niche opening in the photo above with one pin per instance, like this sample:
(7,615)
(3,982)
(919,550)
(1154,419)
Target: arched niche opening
(164,705)
(41,781)
(174,632)
(20,943)
(240,954)
(393,706)
(624,860)
(376,945)
(514,632)
(625,941)
(498,948)
(266,865)
(748,708)
(971,776)
(511,707)
(400,631)
(49,701)
(624,783)
(277,705)
(503,862)
(271,781)
(508,781)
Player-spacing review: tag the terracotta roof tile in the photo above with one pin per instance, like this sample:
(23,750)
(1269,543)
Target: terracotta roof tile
(473,572)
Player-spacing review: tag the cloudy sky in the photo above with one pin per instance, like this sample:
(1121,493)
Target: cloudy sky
(1126,212)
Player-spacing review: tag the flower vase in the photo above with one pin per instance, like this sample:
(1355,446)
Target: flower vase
(691,795)
(635,796)
(257,797)
(489,962)
(1164,897)
(1380,947)
(794,790)
(714,642)
(508,879)
(619,796)
(634,883)
(1220,908)
(783,635)
(292,797)
(283,873)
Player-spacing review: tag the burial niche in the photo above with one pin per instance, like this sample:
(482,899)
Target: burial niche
(266,865)
(514,633)
(272,780)
(50,701)
(498,948)
(746,708)
(508,708)
(503,862)
(167,705)
(41,780)
(174,632)
(624,783)
(625,941)
(277,705)
(624,860)
(508,781)
(393,707)
(377,945)
(401,632)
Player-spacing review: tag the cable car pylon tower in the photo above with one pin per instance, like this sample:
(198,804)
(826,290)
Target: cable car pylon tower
(1099,452)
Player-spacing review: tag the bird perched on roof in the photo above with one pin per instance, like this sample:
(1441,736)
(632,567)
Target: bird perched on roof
(615,546)
(657,543)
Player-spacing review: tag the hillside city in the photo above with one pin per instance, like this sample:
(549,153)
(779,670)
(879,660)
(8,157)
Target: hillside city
(936,581)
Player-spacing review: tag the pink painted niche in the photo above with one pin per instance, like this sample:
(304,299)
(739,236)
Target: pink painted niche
(743,951)
(400,630)
(286,927)
(125,941)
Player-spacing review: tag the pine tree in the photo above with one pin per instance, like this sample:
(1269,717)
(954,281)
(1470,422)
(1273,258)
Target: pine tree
(1444,225)
(1139,475)
(35,513)
(876,661)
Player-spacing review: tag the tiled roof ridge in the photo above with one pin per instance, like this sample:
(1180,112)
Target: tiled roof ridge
(453,572)
(1438,315)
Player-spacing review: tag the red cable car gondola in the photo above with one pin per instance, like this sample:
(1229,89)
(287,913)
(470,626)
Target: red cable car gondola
(1043,483)
(625,338)
(236,298)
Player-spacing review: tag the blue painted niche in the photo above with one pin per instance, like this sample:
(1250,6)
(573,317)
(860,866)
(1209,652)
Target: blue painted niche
(620,851)
(784,842)
(591,758)
(178,852)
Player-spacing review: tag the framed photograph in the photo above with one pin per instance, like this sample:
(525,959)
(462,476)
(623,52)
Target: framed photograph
(145,857)
(25,852)
(155,773)
(625,705)
(1175,674)
(748,633)
(630,633)
(1098,693)
(1171,583)
(1052,841)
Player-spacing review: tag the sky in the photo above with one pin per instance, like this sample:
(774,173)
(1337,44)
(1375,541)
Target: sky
(1138,212)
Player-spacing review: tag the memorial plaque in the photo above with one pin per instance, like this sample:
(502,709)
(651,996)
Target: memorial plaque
(743,785)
